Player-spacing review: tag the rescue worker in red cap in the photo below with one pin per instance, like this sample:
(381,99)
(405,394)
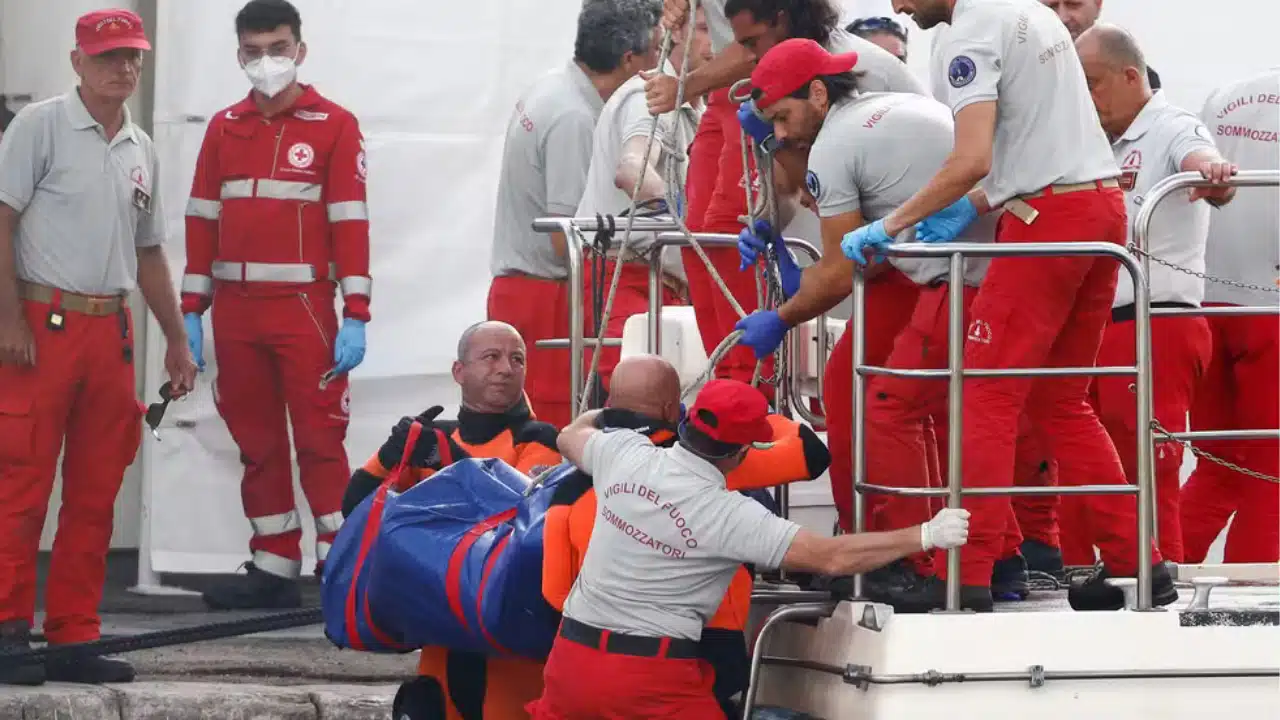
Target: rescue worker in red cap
(668,539)
(1026,129)
(77,234)
(868,153)
(276,223)
(741,32)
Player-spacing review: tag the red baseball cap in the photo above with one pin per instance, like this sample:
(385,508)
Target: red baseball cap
(792,64)
(105,30)
(733,412)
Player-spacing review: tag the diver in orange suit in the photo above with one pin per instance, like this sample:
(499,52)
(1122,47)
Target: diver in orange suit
(645,396)
(494,422)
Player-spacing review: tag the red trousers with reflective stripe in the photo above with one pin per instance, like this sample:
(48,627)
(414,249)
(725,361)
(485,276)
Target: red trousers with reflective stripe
(716,199)
(891,300)
(631,298)
(1180,351)
(1240,391)
(1045,312)
(272,352)
(583,683)
(539,309)
(81,390)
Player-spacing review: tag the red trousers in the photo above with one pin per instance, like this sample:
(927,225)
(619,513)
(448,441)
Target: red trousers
(907,426)
(539,310)
(1240,391)
(80,390)
(272,353)
(1034,466)
(891,300)
(1181,348)
(631,298)
(1045,312)
(583,683)
(717,198)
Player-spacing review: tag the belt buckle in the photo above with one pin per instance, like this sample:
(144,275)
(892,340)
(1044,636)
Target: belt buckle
(95,305)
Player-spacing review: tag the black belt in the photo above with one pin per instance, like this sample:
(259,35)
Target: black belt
(621,644)
(1126,313)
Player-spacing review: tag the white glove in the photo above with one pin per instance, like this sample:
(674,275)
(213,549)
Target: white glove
(948,529)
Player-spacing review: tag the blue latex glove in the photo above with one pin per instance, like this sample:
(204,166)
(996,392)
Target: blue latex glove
(195,337)
(764,332)
(757,127)
(947,224)
(752,244)
(348,349)
(867,236)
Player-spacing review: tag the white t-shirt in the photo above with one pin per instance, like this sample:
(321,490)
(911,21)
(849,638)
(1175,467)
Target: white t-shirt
(625,116)
(717,25)
(1150,150)
(873,153)
(1244,119)
(1018,54)
(667,540)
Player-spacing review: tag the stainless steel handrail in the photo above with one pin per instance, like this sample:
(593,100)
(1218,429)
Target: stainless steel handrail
(956,253)
(1141,231)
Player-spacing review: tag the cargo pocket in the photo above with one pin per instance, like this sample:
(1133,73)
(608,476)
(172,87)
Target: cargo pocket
(17,430)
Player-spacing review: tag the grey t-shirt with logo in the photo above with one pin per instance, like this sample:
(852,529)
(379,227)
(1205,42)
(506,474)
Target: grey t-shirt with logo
(544,170)
(667,540)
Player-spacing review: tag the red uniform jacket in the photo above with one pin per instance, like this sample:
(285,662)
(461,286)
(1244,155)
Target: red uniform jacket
(280,202)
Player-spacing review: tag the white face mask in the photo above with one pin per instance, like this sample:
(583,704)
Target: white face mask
(270,75)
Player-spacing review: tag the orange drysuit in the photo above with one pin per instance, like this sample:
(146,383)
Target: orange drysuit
(524,443)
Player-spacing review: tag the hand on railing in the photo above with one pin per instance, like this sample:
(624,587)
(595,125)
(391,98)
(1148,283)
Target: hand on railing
(947,224)
(948,529)
(1218,172)
(868,236)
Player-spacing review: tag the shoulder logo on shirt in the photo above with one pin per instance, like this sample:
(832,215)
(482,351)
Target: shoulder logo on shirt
(345,402)
(812,183)
(962,71)
(311,115)
(301,155)
(362,166)
(230,115)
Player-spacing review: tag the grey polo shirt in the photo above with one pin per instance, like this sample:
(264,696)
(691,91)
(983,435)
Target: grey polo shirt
(86,203)
(667,540)
(544,169)
(873,153)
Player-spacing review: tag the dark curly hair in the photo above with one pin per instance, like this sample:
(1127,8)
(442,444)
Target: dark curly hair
(812,19)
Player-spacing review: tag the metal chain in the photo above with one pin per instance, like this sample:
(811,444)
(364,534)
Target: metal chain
(1203,276)
(1165,435)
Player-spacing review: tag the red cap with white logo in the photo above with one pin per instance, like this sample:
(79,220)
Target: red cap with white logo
(106,30)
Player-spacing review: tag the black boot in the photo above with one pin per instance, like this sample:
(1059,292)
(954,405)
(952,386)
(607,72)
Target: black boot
(931,594)
(15,637)
(1044,558)
(1093,593)
(1009,582)
(876,584)
(89,670)
(256,590)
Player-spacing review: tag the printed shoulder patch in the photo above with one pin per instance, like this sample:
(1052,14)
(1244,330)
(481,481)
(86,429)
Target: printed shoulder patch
(811,182)
(962,71)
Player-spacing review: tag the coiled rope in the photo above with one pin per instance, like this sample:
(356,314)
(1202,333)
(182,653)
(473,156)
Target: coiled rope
(673,189)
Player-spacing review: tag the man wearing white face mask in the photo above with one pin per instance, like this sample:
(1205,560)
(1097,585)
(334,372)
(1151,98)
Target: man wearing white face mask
(277,222)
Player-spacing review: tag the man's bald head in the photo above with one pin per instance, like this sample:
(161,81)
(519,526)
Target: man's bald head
(1117,75)
(490,367)
(648,385)
(1112,45)
(489,328)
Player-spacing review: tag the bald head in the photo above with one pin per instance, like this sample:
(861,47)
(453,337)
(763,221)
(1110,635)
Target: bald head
(489,329)
(646,384)
(1113,46)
